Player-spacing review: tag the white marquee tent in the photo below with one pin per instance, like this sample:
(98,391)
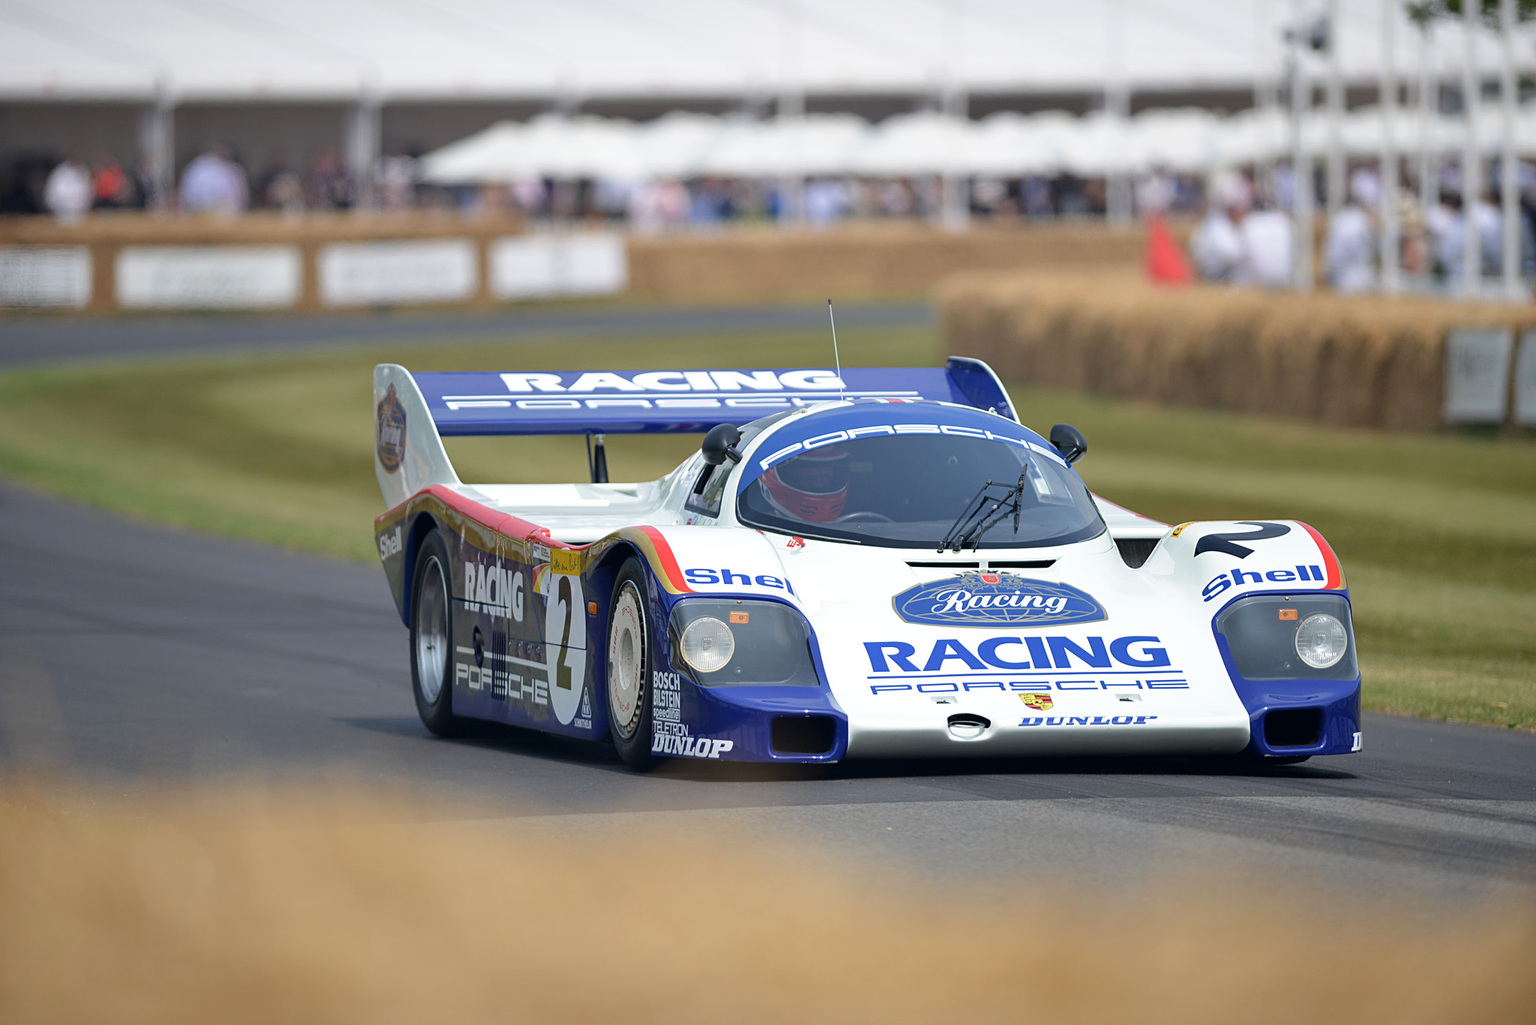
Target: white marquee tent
(463,49)
(1005,144)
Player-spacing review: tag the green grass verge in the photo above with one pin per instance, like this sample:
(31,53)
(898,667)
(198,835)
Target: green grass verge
(1437,533)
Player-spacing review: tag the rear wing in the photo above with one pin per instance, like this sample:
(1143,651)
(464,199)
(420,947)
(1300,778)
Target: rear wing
(686,401)
(415,411)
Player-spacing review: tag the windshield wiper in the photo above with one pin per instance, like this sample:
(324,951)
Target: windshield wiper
(983,512)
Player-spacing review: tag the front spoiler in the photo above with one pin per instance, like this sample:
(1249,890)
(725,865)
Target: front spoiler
(1053,735)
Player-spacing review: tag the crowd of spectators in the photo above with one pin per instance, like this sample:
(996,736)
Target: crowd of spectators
(215,180)
(218,180)
(1245,235)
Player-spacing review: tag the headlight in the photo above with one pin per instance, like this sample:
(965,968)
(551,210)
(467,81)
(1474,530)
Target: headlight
(1290,637)
(734,642)
(707,644)
(1321,641)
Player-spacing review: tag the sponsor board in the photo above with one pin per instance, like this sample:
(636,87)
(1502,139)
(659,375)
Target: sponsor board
(1243,578)
(1477,375)
(389,431)
(415,271)
(45,276)
(208,277)
(979,598)
(531,266)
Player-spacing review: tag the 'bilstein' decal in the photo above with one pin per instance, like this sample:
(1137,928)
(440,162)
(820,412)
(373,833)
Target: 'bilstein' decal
(996,599)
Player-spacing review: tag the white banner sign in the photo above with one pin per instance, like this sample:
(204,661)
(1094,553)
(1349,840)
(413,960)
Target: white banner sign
(536,266)
(1477,375)
(45,276)
(372,273)
(1525,380)
(208,277)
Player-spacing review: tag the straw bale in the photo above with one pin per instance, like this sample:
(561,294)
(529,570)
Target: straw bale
(1362,361)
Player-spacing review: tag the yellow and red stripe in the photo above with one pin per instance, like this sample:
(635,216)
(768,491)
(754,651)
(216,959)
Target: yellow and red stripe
(659,554)
(1331,565)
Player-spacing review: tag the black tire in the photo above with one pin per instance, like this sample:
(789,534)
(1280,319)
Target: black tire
(631,657)
(432,653)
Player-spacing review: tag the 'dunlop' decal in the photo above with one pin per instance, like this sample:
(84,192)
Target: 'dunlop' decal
(992,599)
(390,431)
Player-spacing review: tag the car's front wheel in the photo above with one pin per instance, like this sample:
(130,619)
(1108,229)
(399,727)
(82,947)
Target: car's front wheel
(432,638)
(630,659)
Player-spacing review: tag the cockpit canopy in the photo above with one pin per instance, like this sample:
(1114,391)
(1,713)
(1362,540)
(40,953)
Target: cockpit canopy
(900,475)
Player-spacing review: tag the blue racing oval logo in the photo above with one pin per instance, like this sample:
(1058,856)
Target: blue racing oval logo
(991,599)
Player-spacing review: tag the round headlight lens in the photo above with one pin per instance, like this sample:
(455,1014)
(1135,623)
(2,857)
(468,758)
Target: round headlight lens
(1321,640)
(707,644)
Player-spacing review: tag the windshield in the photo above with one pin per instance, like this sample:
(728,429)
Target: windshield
(907,490)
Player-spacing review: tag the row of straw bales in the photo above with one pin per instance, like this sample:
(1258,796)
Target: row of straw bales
(858,261)
(1354,361)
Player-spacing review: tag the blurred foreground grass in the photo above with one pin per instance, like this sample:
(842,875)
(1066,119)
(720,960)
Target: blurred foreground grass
(1437,533)
(346,906)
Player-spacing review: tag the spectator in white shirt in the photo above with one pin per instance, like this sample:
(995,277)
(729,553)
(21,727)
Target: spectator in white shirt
(67,193)
(1266,238)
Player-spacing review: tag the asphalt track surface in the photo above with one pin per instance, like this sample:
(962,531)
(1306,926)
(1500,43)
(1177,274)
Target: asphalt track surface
(131,654)
(31,340)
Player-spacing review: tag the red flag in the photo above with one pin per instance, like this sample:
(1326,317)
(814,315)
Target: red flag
(1165,260)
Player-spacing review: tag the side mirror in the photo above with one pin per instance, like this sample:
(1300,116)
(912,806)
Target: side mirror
(720,444)
(1069,441)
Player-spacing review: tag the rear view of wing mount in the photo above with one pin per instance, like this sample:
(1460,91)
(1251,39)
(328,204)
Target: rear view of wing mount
(682,401)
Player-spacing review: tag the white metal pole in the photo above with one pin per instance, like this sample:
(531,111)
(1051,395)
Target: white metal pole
(1508,178)
(157,147)
(1264,92)
(1390,243)
(1336,196)
(954,203)
(1429,173)
(1303,275)
(1117,198)
(791,108)
(363,147)
(1471,176)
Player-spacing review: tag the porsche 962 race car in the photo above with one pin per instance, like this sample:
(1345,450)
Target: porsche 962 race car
(871,562)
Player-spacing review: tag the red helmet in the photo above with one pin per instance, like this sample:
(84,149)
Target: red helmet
(812,486)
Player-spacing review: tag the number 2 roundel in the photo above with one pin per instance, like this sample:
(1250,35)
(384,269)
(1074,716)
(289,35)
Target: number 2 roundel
(565,643)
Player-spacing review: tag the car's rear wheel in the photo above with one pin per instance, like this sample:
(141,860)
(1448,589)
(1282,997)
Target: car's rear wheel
(432,638)
(631,657)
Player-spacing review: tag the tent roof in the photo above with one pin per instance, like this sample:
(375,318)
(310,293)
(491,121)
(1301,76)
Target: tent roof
(446,49)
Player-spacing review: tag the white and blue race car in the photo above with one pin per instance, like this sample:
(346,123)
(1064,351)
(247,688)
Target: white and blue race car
(869,562)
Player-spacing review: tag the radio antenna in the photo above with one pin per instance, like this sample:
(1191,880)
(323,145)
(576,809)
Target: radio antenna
(835,358)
